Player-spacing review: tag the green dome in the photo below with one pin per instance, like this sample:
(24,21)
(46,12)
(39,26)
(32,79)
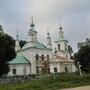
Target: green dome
(34,45)
(19,60)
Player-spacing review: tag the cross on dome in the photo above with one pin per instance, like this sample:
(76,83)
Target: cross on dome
(32,24)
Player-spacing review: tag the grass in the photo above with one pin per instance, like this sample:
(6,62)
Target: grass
(53,82)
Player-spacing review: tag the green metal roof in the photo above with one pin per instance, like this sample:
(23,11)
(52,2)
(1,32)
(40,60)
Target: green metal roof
(19,60)
(39,45)
(34,45)
(60,40)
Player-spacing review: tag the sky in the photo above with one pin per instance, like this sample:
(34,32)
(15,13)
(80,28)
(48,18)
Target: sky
(73,15)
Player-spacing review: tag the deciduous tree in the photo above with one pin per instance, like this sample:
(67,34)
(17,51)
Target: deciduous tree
(83,56)
(7,51)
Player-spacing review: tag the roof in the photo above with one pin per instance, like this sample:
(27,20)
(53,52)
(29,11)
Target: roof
(19,60)
(34,45)
(60,40)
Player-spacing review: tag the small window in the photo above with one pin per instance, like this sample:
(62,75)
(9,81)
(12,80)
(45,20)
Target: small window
(58,47)
(65,46)
(47,57)
(24,71)
(55,50)
(55,70)
(37,69)
(37,57)
(14,71)
(48,70)
(66,70)
(42,57)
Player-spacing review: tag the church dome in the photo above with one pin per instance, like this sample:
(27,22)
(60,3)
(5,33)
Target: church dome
(34,45)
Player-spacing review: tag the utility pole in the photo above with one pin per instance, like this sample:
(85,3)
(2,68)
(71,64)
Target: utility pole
(79,67)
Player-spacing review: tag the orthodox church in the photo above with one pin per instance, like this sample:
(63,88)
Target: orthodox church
(35,58)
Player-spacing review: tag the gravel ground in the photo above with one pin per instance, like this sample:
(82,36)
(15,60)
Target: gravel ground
(78,88)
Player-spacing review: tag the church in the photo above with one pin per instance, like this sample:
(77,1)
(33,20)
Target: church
(35,58)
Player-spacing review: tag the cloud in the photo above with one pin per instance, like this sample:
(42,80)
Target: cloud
(73,14)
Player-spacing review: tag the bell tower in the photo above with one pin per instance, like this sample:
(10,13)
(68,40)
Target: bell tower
(61,43)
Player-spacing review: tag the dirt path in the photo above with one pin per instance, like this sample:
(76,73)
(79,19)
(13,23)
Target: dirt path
(79,88)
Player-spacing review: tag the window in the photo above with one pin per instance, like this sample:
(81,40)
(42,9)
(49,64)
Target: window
(37,57)
(48,70)
(66,70)
(58,47)
(42,57)
(55,70)
(37,69)
(55,50)
(24,71)
(65,46)
(47,57)
(14,71)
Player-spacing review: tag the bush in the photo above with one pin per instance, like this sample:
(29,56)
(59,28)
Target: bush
(50,82)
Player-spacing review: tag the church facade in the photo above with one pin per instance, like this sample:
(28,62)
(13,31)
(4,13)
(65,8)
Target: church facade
(36,58)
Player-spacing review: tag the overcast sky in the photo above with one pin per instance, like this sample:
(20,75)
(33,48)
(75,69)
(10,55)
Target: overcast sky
(74,15)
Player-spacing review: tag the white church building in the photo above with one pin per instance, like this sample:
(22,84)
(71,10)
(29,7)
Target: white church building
(36,58)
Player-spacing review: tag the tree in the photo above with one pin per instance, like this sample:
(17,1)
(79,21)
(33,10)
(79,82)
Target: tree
(22,43)
(70,50)
(7,52)
(83,56)
(87,42)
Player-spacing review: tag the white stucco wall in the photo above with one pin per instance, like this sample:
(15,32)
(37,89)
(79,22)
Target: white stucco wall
(63,45)
(61,67)
(31,53)
(54,65)
(21,69)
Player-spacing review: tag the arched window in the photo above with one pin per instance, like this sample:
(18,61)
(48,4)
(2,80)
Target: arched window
(58,47)
(42,57)
(55,70)
(66,69)
(14,71)
(47,57)
(37,69)
(37,57)
(48,70)
(66,47)
(55,50)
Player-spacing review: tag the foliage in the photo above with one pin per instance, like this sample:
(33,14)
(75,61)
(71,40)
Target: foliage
(70,50)
(1,29)
(51,82)
(81,44)
(83,56)
(7,52)
(22,43)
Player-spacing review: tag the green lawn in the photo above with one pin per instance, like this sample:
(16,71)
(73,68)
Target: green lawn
(53,82)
